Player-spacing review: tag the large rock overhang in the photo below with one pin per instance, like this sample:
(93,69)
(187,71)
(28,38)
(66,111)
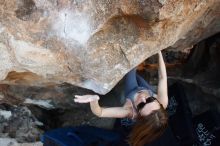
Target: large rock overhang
(93,44)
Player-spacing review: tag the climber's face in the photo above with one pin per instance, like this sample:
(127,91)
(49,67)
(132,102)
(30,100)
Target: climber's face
(147,104)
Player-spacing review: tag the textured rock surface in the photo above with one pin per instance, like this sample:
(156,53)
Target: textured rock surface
(36,109)
(26,112)
(196,69)
(19,123)
(13,142)
(93,43)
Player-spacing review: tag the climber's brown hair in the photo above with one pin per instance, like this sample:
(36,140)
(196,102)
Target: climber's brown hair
(147,128)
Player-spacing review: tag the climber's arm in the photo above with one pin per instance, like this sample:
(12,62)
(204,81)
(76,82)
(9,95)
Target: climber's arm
(162,93)
(111,112)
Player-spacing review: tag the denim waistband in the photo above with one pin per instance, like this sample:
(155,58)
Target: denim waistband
(133,92)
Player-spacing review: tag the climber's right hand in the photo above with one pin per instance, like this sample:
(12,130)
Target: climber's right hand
(86,98)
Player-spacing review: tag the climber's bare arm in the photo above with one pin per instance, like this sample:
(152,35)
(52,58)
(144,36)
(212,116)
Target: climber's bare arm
(162,93)
(111,112)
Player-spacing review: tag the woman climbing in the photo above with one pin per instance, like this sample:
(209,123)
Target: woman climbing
(144,108)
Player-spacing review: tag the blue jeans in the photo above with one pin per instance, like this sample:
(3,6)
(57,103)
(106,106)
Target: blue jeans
(135,83)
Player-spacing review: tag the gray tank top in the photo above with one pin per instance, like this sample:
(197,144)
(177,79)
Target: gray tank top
(131,96)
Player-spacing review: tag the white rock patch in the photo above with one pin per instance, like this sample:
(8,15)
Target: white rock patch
(72,25)
(41,103)
(13,142)
(1,28)
(5,114)
(92,85)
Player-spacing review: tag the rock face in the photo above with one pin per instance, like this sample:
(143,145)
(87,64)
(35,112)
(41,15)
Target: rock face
(19,123)
(91,43)
(27,112)
(198,72)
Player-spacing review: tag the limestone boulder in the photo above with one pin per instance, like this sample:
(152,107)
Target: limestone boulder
(94,43)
